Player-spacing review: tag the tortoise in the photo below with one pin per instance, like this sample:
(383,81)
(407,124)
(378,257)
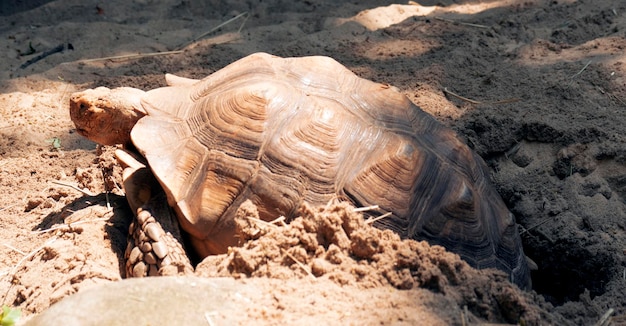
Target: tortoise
(282,131)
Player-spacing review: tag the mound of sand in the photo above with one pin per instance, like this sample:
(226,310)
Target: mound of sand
(335,243)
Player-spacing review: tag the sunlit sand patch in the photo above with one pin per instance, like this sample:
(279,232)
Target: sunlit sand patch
(383,17)
(604,49)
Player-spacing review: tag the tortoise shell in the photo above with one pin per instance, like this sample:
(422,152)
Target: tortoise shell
(280,131)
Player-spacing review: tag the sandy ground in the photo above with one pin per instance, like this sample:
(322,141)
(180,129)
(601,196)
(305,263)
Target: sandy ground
(537,88)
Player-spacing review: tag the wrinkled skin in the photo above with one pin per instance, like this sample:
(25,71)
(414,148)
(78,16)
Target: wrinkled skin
(107,116)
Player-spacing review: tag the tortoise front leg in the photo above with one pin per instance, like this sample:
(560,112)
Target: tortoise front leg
(154,240)
(152,247)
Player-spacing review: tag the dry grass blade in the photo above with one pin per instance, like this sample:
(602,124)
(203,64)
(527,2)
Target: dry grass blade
(333,201)
(366,208)
(13,248)
(372,220)
(21,261)
(31,254)
(534,226)
(106,194)
(279,221)
(86,192)
(197,38)
(70,225)
(505,101)
(259,221)
(605,320)
(460,23)
(139,55)
(209,320)
(615,97)
(513,150)
(464,316)
(301,265)
(581,70)
(131,56)
(243,23)
(445,90)
(10,206)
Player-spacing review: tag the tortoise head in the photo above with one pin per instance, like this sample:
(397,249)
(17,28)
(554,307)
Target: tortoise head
(106,116)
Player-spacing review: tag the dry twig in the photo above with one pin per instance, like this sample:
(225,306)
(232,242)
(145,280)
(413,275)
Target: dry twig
(301,265)
(42,56)
(7,207)
(605,320)
(14,249)
(209,320)
(197,38)
(21,261)
(509,100)
(534,226)
(31,254)
(464,316)
(460,23)
(366,208)
(86,192)
(131,56)
(274,223)
(374,219)
(581,70)
(70,225)
(106,191)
